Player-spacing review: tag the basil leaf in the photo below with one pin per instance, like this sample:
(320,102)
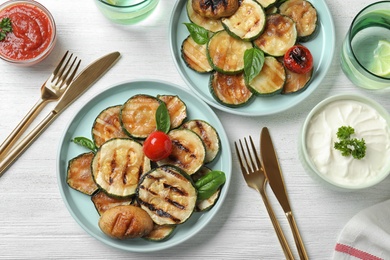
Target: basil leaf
(199,34)
(253,63)
(85,142)
(163,120)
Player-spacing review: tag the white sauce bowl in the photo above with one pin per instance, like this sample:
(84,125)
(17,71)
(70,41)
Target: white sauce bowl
(323,162)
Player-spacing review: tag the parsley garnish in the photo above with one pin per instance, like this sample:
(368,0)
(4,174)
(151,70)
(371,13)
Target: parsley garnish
(350,146)
(5,27)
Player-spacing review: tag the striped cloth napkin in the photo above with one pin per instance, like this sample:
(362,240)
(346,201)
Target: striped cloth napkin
(366,236)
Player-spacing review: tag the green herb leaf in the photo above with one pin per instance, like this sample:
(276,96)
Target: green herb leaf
(85,142)
(198,33)
(253,63)
(163,120)
(350,146)
(5,27)
(209,184)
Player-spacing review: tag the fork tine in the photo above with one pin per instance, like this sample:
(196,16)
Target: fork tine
(59,69)
(258,163)
(243,168)
(65,79)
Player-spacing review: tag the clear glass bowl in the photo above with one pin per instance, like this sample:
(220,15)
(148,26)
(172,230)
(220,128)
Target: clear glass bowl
(38,53)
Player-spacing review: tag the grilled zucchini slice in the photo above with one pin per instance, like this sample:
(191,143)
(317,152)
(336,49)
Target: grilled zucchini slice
(117,166)
(188,151)
(160,233)
(103,202)
(138,115)
(195,56)
(177,109)
(267,3)
(226,53)
(209,137)
(304,15)
(247,22)
(230,90)
(79,176)
(279,35)
(212,25)
(270,80)
(295,82)
(167,195)
(107,126)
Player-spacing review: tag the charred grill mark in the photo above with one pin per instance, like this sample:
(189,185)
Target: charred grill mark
(213,4)
(175,189)
(158,212)
(174,203)
(203,133)
(180,146)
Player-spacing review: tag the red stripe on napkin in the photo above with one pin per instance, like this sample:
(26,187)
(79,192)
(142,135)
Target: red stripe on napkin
(355,252)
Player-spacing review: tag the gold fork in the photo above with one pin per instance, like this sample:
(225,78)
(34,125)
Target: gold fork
(255,178)
(51,90)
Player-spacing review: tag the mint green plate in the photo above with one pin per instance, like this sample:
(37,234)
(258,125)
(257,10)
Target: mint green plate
(321,47)
(80,205)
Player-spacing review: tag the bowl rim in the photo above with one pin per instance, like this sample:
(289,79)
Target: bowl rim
(306,159)
(53,39)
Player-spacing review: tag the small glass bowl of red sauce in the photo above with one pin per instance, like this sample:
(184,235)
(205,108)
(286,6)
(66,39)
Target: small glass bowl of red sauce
(33,34)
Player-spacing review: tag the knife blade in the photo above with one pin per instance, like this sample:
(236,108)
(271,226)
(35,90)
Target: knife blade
(79,85)
(274,175)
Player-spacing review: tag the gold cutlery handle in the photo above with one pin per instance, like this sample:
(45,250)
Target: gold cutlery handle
(297,237)
(20,128)
(9,158)
(282,239)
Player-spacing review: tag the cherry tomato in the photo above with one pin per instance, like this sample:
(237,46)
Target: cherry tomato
(298,59)
(157,146)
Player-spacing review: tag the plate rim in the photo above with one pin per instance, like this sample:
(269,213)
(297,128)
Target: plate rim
(157,245)
(236,111)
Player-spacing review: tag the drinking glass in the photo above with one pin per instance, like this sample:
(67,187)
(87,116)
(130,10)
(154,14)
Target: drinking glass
(126,11)
(365,54)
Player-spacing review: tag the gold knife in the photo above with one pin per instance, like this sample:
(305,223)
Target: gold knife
(80,84)
(274,174)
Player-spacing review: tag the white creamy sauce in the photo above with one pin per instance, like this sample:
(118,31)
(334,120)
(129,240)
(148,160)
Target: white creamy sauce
(368,124)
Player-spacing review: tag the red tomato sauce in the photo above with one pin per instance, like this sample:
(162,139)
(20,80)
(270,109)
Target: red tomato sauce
(31,34)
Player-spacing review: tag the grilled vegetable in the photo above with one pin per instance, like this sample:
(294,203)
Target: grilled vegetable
(298,59)
(177,109)
(107,126)
(117,166)
(188,151)
(160,233)
(279,35)
(104,202)
(267,3)
(230,90)
(208,184)
(209,137)
(213,25)
(226,53)
(123,222)
(271,78)
(247,22)
(194,55)
(138,115)
(167,195)
(79,176)
(304,15)
(295,82)
(215,9)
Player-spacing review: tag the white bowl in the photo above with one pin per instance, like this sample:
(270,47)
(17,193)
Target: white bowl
(323,162)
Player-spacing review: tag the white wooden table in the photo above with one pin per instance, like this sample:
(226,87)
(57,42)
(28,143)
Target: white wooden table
(34,222)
